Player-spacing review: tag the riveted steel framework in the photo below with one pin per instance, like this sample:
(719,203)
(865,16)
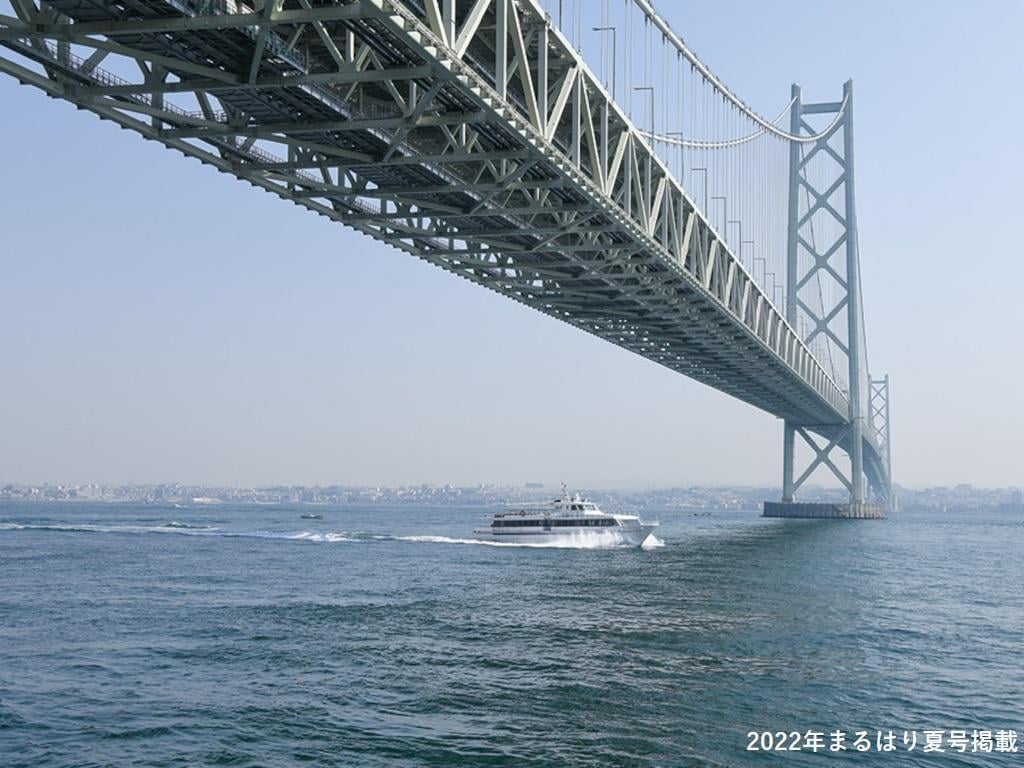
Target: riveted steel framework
(879,420)
(467,133)
(809,261)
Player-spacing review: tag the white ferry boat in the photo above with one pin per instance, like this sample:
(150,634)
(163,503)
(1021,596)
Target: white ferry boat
(566,521)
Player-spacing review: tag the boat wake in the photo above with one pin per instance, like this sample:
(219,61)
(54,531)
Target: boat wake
(171,527)
(321,537)
(583,540)
(575,541)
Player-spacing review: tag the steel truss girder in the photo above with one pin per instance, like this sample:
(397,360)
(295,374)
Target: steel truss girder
(270,17)
(503,124)
(193,85)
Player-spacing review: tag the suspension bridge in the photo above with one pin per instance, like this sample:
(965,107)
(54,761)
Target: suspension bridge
(574,156)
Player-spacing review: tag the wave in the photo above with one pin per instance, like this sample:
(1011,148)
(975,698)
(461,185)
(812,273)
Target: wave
(583,540)
(182,529)
(176,528)
(328,537)
(588,540)
(97,528)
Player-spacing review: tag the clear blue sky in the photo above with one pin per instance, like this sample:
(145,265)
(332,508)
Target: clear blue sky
(161,321)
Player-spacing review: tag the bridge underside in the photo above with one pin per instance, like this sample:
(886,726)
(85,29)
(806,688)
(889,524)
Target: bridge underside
(396,121)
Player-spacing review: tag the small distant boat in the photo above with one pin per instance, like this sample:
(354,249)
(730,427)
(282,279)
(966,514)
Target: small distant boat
(311,516)
(563,520)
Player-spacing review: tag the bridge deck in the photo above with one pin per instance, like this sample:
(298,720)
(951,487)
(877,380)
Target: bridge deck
(480,143)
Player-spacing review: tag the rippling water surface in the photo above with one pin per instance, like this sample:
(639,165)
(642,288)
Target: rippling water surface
(246,636)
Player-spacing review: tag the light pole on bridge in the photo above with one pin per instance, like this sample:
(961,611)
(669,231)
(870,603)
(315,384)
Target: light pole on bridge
(704,201)
(681,164)
(753,259)
(651,89)
(739,226)
(764,270)
(725,213)
(775,288)
(650,162)
(615,67)
(750,243)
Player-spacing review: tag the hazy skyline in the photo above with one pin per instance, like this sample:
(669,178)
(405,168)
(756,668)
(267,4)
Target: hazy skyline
(161,321)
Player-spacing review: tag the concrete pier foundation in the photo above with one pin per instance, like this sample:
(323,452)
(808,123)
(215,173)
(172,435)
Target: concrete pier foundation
(847,511)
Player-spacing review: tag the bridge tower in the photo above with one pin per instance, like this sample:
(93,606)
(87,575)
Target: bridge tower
(821,186)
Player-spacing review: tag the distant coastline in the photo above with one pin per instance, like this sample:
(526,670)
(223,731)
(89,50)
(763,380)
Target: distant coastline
(690,498)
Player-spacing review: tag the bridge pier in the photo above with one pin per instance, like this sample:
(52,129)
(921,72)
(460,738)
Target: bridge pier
(838,511)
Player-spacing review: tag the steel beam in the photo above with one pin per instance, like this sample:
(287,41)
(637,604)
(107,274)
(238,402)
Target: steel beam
(476,172)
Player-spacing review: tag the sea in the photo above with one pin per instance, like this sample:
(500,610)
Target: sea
(244,635)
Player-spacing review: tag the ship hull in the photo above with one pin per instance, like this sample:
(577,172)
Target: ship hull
(620,536)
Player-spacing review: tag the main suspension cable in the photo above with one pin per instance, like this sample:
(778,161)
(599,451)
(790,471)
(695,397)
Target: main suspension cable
(767,125)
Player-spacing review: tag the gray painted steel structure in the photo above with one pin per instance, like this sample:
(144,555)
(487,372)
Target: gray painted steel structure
(469,134)
(865,437)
